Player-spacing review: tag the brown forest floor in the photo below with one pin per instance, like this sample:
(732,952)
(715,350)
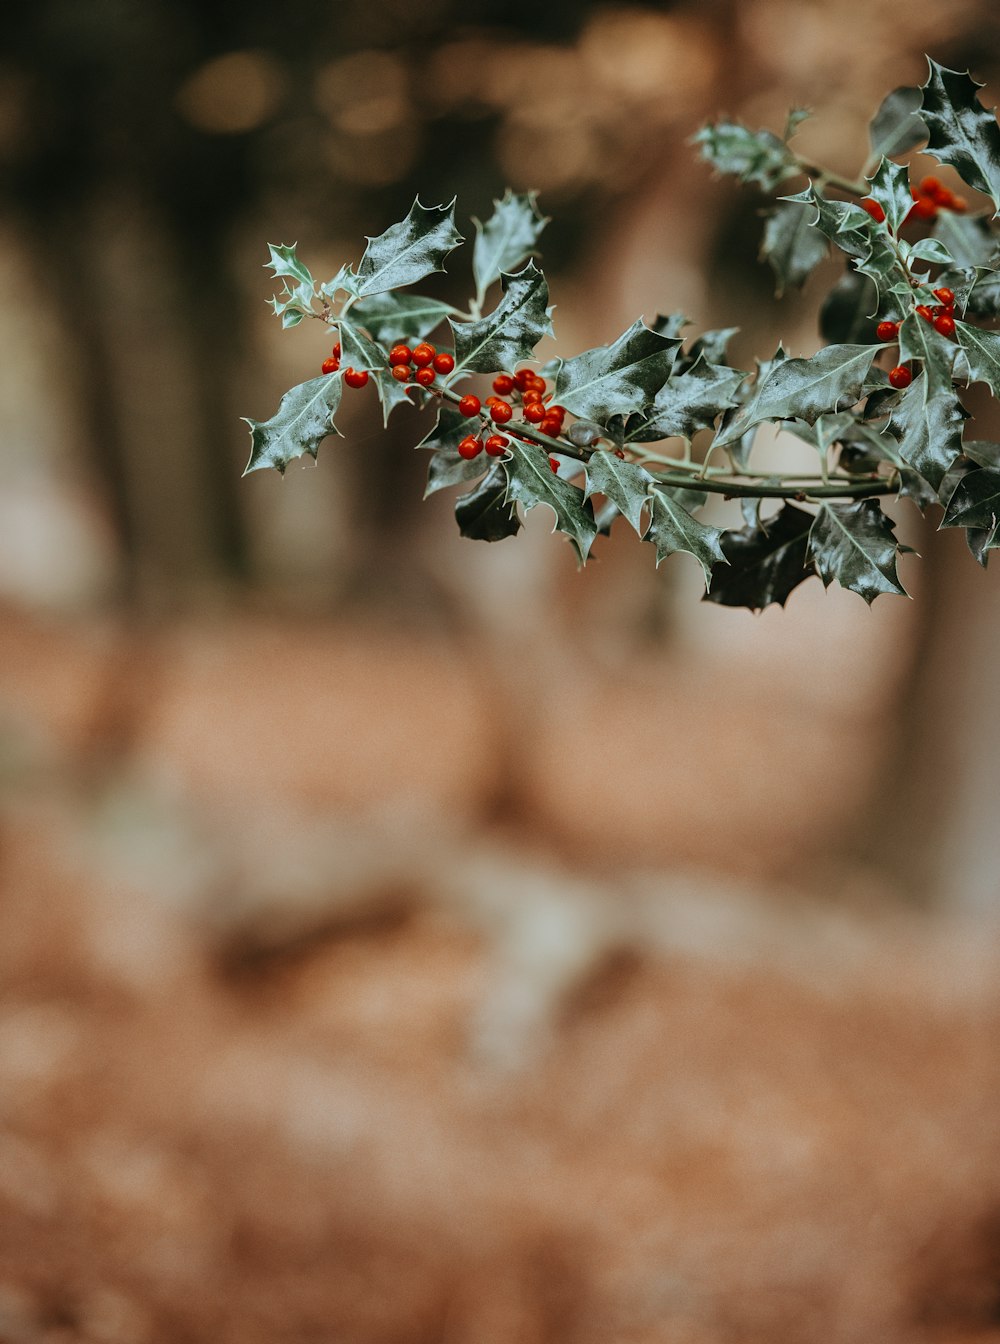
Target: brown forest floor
(306,1146)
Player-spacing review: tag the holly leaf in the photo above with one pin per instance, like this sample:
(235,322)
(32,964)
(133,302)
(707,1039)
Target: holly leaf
(410,250)
(890,186)
(298,286)
(982,354)
(804,389)
(847,311)
(962,133)
(713,345)
(446,467)
(983,452)
(928,249)
(625,483)
(359,351)
(927,426)
(686,403)
(855,545)
(896,127)
(981,541)
(617,379)
(918,340)
(766,561)
(791,245)
(302,421)
(673,529)
(285,265)
(507,238)
(511,332)
(670,324)
(754,156)
(399,317)
(846,225)
(968,238)
(531,481)
(486,513)
(975,501)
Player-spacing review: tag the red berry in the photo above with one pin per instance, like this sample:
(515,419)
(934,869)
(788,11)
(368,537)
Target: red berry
(944,325)
(959,204)
(534,412)
(402,373)
(400,354)
(932,187)
(523,379)
(551,426)
(503,383)
(356,377)
(945,296)
(923,208)
(443,363)
(530,395)
(620,452)
(424,376)
(470,405)
(558,410)
(923,311)
(900,377)
(538,383)
(887,331)
(423,354)
(554,463)
(501,412)
(470,447)
(336,352)
(331,365)
(496,445)
(874,209)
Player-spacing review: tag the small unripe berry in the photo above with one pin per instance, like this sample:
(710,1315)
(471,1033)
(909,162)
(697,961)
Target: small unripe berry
(923,311)
(356,377)
(425,376)
(501,412)
(534,412)
(443,362)
(887,331)
(470,447)
(496,445)
(331,365)
(900,377)
(423,354)
(944,324)
(400,354)
(503,383)
(470,405)
(402,373)
(945,296)
(874,209)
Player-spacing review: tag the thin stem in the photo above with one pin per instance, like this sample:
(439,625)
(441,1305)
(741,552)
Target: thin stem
(825,178)
(752,490)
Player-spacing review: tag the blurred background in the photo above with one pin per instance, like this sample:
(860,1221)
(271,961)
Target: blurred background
(410,941)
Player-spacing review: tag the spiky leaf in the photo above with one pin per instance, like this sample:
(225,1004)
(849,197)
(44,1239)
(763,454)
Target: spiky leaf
(754,156)
(968,238)
(766,561)
(410,250)
(486,513)
(446,467)
(507,238)
(982,354)
(511,332)
(846,225)
(805,388)
(302,421)
(927,426)
(285,264)
(890,186)
(792,245)
(617,379)
(531,481)
(847,311)
(975,501)
(855,545)
(399,317)
(919,340)
(686,403)
(625,483)
(961,131)
(712,345)
(896,127)
(672,529)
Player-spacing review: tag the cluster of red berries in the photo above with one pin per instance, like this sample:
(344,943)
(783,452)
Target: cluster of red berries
(352,377)
(420,365)
(942,319)
(928,198)
(530,389)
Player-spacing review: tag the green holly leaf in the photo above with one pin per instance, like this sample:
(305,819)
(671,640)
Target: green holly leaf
(766,561)
(670,324)
(890,186)
(506,240)
(617,379)
(846,225)
(625,483)
(982,452)
(847,312)
(359,351)
(796,116)
(975,501)
(982,354)
(673,529)
(792,245)
(286,265)
(896,126)
(927,249)
(927,426)
(962,133)
(855,545)
(804,389)
(918,340)
(968,238)
(410,250)
(982,296)
(531,481)
(345,281)
(981,541)
(302,421)
(486,513)
(447,467)
(389,318)
(754,156)
(712,345)
(686,403)
(511,332)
